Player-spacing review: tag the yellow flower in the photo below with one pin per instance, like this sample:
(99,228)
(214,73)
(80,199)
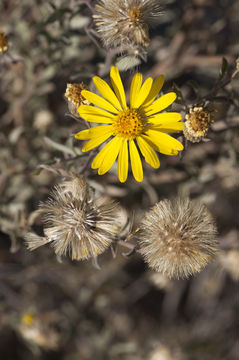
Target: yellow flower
(27,318)
(129,128)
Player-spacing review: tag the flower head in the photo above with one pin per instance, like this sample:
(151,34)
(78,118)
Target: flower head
(141,125)
(74,97)
(76,222)
(3,43)
(177,238)
(121,22)
(198,121)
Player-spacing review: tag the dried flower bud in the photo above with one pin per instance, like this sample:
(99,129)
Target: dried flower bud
(198,121)
(76,223)
(3,43)
(177,238)
(124,22)
(74,97)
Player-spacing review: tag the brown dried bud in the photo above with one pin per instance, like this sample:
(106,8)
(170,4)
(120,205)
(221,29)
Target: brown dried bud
(177,238)
(3,43)
(198,121)
(74,97)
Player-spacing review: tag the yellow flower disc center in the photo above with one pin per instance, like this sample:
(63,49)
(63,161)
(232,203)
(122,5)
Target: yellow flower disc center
(128,124)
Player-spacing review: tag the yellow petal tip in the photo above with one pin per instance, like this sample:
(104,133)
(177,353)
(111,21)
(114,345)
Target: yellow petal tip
(139,180)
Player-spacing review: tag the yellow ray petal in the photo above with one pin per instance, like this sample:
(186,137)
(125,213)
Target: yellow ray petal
(113,148)
(169,127)
(107,92)
(149,154)
(165,139)
(153,142)
(164,142)
(164,118)
(93,132)
(96,141)
(135,88)
(155,89)
(118,86)
(160,104)
(123,161)
(93,114)
(98,101)
(143,93)
(136,164)
(100,156)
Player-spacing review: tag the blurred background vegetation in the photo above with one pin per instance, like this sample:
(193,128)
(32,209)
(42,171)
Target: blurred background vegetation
(69,310)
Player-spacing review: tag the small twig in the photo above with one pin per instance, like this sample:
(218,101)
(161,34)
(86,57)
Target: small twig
(126,244)
(90,32)
(90,158)
(221,85)
(133,248)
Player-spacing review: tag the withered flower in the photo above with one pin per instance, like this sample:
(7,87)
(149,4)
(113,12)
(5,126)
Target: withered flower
(75,222)
(198,121)
(126,22)
(74,97)
(3,43)
(177,238)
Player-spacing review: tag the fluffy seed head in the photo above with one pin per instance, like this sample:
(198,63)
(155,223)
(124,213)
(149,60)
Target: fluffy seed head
(75,222)
(74,97)
(198,121)
(177,238)
(3,43)
(123,22)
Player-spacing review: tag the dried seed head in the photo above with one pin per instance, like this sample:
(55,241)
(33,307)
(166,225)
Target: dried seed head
(126,22)
(3,43)
(177,238)
(75,222)
(198,121)
(74,97)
